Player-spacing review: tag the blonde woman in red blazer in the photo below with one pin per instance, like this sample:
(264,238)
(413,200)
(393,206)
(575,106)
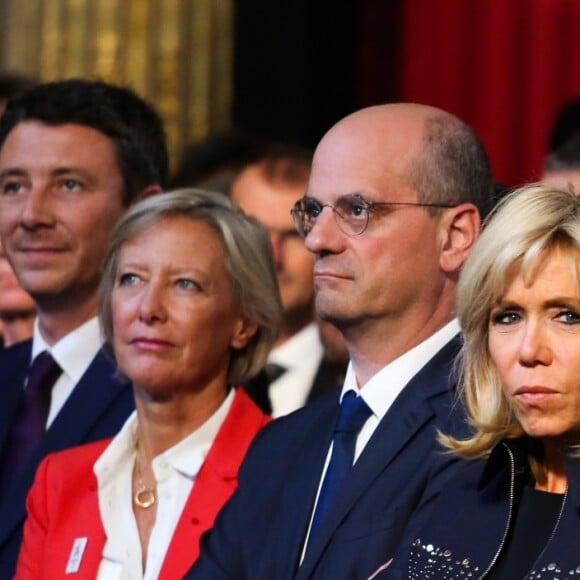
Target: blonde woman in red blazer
(190,305)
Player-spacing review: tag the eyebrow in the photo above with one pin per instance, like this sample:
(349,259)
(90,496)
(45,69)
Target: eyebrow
(556,302)
(13,172)
(58,172)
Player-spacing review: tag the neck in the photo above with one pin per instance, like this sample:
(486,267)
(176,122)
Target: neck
(373,344)
(164,423)
(551,472)
(56,320)
(17,328)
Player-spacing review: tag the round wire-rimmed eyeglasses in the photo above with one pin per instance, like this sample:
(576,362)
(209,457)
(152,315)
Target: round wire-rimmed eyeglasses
(351,212)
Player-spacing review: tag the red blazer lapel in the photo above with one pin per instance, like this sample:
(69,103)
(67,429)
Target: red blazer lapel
(215,483)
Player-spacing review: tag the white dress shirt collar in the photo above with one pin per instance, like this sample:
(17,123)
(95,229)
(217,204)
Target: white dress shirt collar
(73,352)
(385,386)
(175,472)
(300,355)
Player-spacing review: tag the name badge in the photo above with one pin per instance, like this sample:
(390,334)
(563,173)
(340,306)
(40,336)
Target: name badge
(76,555)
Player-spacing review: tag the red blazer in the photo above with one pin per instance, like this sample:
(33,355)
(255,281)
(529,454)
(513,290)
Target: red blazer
(63,503)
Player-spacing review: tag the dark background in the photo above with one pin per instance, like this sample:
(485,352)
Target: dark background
(505,67)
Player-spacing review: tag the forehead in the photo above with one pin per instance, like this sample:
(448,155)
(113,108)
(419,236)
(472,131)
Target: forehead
(553,271)
(188,236)
(373,161)
(269,201)
(33,143)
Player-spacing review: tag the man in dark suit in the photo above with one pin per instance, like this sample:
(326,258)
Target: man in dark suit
(390,216)
(73,156)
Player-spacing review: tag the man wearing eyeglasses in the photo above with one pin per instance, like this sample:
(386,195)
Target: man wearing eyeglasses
(391,213)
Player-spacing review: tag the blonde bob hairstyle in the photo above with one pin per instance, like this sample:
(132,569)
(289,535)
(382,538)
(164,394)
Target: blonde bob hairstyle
(528,224)
(249,263)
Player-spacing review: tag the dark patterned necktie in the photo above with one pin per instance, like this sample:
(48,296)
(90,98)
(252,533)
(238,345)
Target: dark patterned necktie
(29,422)
(353,414)
(274,371)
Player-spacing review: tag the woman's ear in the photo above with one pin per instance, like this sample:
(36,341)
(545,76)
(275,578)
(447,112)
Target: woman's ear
(243,332)
(459,229)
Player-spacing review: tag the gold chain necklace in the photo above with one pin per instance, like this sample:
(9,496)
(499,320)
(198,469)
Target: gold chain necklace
(144,496)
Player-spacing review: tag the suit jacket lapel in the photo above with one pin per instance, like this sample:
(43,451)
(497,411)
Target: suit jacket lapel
(297,499)
(89,400)
(407,415)
(14,364)
(328,377)
(215,483)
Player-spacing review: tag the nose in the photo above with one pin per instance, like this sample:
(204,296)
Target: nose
(36,209)
(535,346)
(325,235)
(152,307)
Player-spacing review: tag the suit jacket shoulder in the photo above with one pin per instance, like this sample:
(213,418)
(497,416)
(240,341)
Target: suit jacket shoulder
(400,471)
(96,409)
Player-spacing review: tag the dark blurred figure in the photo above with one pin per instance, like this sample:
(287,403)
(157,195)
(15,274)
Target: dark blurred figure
(13,85)
(566,125)
(214,162)
(17,308)
(298,369)
(562,167)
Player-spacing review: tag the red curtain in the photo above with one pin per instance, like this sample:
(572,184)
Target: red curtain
(503,66)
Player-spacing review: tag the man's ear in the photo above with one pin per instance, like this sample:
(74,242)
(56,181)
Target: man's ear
(459,229)
(147,192)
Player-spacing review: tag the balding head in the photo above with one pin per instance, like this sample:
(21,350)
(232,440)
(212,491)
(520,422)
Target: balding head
(420,147)
(391,284)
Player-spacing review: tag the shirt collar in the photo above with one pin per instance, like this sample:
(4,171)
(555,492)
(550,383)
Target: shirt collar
(384,387)
(75,351)
(186,457)
(304,345)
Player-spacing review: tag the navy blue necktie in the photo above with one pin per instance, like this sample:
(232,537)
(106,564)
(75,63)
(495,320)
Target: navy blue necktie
(353,414)
(29,421)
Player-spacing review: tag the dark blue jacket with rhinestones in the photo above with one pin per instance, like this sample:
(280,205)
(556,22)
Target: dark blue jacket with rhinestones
(470,518)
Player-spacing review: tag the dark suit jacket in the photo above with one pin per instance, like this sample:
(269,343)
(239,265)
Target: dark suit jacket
(96,409)
(470,518)
(260,532)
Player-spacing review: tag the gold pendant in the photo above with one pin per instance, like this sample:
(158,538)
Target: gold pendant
(144,497)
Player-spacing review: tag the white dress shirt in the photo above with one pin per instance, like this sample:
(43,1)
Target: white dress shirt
(74,353)
(383,388)
(300,355)
(175,471)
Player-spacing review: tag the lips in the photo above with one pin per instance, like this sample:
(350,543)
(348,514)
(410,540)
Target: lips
(328,274)
(150,343)
(535,393)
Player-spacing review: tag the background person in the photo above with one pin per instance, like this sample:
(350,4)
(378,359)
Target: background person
(189,303)
(298,370)
(519,307)
(562,167)
(74,155)
(17,308)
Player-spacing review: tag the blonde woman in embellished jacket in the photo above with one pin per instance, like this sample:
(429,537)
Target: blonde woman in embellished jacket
(514,511)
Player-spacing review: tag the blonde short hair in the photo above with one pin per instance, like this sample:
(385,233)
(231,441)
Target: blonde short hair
(531,221)
(249,263)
